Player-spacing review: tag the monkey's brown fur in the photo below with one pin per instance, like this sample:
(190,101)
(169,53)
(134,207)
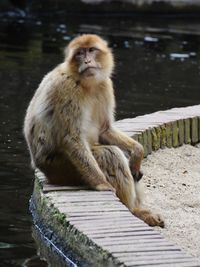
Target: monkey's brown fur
(69,127)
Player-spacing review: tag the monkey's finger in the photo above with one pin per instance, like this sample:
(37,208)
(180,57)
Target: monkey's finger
(137,176)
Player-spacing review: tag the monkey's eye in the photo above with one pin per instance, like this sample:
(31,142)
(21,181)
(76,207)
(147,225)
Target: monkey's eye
(79,53)
(92,49)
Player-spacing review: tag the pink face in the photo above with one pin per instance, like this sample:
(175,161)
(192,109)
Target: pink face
(87,61)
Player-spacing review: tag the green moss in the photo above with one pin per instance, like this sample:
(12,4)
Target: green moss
(181,132)
(155,133)
(140,139)
(135,137)
(187,131)
(60,217)
(145,143)
(149,141)
(194,130)
(163,136)
(175,142)
(199,127)
(168,134)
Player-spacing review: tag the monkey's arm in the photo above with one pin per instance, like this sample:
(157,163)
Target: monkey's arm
(84,161)
(113,136)
(132,149)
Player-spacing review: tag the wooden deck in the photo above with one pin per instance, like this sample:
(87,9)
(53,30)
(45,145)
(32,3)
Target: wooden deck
(96,225)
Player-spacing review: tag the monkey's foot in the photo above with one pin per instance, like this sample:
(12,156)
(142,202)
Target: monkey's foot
(148,217)
(105,187)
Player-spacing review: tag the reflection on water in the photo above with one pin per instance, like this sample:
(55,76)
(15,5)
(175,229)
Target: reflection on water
(157,68)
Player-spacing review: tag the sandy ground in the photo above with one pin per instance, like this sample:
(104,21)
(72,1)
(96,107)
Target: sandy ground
(172,189)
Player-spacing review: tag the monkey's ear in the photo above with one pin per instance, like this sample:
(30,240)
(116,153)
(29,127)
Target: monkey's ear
(69,53)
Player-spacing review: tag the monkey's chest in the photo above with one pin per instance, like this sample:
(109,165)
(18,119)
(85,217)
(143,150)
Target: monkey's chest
(92,121)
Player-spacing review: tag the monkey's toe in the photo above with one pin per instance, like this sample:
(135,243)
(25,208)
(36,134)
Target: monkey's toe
(154,220)
(148,217)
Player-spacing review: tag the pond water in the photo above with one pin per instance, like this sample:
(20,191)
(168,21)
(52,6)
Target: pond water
(157,67)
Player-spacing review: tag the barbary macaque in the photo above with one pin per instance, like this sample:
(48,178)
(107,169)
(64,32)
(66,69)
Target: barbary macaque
(70,132)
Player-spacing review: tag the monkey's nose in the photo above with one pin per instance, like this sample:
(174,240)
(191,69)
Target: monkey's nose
(87,61)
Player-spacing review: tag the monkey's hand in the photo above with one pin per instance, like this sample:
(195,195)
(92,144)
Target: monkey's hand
(105,187)
(137,175)
(135,164)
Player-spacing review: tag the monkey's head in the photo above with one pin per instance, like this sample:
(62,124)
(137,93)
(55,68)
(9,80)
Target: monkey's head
(88,56)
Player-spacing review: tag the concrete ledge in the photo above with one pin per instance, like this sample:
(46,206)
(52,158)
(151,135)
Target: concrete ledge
(95,228)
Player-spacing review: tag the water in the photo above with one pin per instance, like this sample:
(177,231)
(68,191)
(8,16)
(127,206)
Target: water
(157,68)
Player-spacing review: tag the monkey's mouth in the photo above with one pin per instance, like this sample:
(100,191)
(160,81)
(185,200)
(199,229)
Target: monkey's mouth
(90,70)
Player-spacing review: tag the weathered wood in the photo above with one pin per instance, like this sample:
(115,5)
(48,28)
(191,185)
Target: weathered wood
(142,247)
(92,204)
(150,261)
(129,255)
(189,264)
(106,225)
(80,210)
(98,216)
(49,188)
(124,234)
(127,230)
(84,200)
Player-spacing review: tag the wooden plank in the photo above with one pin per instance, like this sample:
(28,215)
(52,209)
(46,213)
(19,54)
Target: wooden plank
(138,234)
(141,247)
(130,255)
(146,249)
(105,225)
(165,257)
(87,204)
(107,213)
(124,234)
(96,216)
(137,245)
(106,222)
(112,231)
(50,187)
(151,261)
(189,264)
(138,258)
(81,193)
(90,209)
(135,242)
(106,216)
(131,240)
(83,199)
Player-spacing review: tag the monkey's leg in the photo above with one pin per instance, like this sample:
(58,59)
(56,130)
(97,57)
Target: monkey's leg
(115,167)
(60,170)
(132,149)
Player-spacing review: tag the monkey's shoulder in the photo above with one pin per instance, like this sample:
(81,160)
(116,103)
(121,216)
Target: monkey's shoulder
(56,84)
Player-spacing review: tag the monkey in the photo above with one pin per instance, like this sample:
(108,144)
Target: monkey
(69,127)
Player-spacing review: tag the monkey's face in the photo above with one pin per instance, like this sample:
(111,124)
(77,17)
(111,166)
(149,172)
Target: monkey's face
(87,63)
(89,57)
